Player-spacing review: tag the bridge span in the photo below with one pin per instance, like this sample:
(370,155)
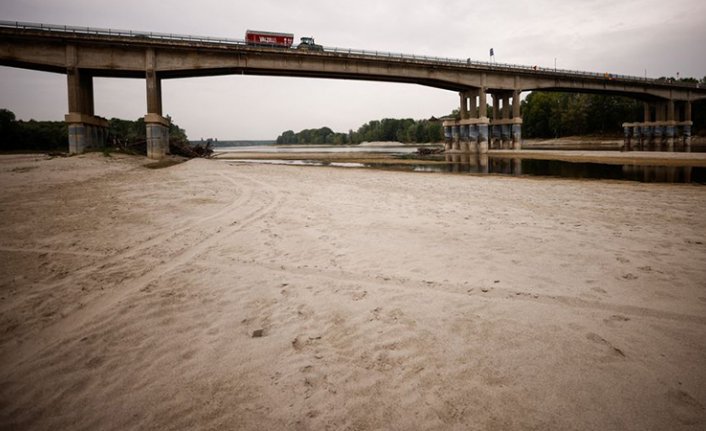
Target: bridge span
(83,53)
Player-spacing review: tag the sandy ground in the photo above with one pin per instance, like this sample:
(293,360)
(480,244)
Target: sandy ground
(129,298)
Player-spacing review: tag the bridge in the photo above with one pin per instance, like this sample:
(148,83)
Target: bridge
(83,53)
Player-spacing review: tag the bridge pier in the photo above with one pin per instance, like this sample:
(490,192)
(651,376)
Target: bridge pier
(475,132)
(669,129)
(86,130)
(157,126)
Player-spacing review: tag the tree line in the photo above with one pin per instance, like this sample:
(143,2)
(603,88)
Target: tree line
(31,135)
(404,130)
(544,115)
(35,135)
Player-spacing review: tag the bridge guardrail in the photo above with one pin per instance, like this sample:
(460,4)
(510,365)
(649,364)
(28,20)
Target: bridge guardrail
(334,50)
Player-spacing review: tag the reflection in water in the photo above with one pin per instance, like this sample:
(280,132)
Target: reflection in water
(479,163)
(482,164)
(662,174)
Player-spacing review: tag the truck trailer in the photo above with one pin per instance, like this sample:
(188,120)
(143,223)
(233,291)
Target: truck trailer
(268,38)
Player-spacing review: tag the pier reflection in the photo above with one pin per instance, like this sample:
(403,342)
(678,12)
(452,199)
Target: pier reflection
(482,164)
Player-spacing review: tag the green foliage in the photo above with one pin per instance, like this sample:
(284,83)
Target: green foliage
(53,135)
(31,135)
(552,115)
(320,136)
(388,129)
(402,130)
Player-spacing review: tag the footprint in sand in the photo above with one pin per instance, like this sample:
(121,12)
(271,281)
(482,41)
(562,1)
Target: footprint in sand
(600,340)
(686,408)
(616,318)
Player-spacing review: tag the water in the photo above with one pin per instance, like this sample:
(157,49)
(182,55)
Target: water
(473,164)
(482,165)
(397,149)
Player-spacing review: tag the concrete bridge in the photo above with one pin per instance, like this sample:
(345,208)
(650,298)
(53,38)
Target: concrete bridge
(83,53)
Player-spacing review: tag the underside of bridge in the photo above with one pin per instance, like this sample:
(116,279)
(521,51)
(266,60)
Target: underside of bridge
(83,56)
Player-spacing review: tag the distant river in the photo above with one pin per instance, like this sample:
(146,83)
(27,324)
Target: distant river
(397,149)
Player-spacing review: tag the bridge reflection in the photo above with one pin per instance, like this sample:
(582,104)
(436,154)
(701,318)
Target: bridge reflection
(478,163)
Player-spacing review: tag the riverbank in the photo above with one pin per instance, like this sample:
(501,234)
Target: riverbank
(642,158)
(216,295)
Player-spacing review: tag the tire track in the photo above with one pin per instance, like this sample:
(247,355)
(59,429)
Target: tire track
(94,310)
(495,293)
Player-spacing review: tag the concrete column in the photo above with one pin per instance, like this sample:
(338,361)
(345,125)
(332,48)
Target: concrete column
(77,138)
(482,104)
(80,86)
(463,138)
(154,84)
(626,139)
(669,129)
(463,104)
(687,138)
(649,132)
(687,111)
(454,137)
(636,138)
(517,136)
(483,138)
(658,134)
(496,107)
(516,104)
(85,129)
(448,137)
(157,126)
(661,111)
(517,121)
(473,109)
(473,138)
(506,106)
(494,133)
(505,135)
(157,136)
(646,115)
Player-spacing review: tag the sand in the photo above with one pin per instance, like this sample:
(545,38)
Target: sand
(211,295)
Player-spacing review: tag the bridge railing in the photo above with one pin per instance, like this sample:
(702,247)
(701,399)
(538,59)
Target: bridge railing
(346,51)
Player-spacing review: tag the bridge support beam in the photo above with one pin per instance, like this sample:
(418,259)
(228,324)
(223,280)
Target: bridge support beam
(157,136)
(475,132)
(517,121)
(666,126)
(157,126)
(687,127)
(86,130)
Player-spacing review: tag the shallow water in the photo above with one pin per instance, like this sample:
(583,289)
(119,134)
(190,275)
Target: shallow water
(401,149)
(521,167)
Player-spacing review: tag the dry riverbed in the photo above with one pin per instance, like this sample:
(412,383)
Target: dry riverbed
(211,295)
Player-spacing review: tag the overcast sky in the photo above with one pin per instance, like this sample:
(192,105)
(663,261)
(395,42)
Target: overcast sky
(619,36)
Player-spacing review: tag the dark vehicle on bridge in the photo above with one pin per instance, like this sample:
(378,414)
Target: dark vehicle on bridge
(268,38)
(308,44)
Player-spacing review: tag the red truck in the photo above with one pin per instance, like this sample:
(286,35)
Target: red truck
(267,38)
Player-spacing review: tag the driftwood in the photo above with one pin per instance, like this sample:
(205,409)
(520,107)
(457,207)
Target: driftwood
(179,148)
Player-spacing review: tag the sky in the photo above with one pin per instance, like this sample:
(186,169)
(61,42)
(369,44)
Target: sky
(633,37)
